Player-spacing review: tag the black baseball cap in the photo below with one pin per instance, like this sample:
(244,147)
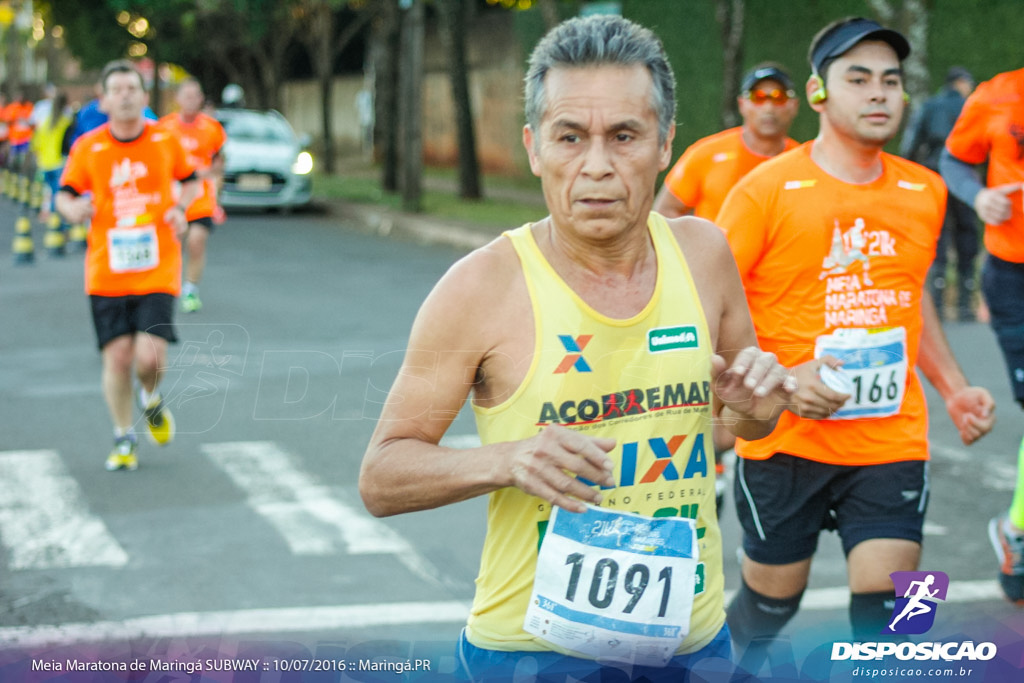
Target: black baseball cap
(763,72)
(957,73)
(838,40)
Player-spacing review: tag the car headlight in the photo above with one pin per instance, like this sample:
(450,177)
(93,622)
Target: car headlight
(303,163)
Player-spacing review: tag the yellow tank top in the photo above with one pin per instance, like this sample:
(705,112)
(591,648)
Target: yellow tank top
(645,381)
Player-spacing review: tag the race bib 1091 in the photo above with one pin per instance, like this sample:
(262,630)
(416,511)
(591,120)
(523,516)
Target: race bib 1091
(615,586)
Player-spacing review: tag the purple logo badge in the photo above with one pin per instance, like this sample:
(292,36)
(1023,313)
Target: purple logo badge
(916,596)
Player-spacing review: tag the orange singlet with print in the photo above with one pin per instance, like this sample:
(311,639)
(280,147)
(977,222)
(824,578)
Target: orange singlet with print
(710,167)
(991,126)
(833,268)
(130,249)
(202,138)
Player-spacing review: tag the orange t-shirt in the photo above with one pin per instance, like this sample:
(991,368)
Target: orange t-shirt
(817,255)
(202,139)
(131,249)
(991,126)
(20,131)
(709,168)
(6,114)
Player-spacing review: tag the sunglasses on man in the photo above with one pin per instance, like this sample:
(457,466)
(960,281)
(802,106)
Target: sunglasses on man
(776,96)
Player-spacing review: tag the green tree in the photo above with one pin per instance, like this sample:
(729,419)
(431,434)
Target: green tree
(327,29)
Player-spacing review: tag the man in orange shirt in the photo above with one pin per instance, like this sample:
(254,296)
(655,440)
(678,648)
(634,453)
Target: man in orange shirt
(708,169)
(202,136)
(833,241)
(19,134)
(120,179)
(991,128)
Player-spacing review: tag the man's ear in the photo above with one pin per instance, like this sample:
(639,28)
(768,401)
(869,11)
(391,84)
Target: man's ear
(531,149)
(666,149)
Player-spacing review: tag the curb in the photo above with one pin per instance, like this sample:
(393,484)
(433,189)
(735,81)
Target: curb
(400,225)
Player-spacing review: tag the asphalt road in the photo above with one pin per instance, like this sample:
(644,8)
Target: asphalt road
(247,533)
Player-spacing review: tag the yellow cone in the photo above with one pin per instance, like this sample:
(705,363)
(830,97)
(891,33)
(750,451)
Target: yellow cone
(53,240)
(35,199)
(22,246)
(76,238)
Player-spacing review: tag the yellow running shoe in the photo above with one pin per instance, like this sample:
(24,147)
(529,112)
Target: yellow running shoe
(123,456)
(159,420)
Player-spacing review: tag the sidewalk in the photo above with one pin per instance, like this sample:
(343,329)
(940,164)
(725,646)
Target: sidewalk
(421,228)
(425,228)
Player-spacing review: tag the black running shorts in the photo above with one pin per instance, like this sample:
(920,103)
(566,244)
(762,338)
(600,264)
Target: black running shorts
(784,502)
(115,316)
(205,221)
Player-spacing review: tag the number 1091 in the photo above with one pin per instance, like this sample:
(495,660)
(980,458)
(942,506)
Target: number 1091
(604,582)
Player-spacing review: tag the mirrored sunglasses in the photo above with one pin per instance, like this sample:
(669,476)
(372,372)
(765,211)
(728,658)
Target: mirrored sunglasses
(775,96)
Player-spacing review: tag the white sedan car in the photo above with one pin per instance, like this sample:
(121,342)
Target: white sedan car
(266,164)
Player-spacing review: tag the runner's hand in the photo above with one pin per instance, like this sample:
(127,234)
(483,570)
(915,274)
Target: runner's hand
(79,210)
(814,400)
(547,466)
(754,384)
(993,205)
(175,217)
(972,412)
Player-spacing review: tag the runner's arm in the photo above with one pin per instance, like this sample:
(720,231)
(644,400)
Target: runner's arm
(76,208)
(670,206)
(750,388)
(405,469)
(972,409)
(190,188)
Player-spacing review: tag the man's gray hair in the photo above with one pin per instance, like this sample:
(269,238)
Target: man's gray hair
(601,40)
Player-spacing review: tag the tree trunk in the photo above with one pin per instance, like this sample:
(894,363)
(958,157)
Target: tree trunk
(386,50)
(730,15)
(324,60)
(156,94)
(411,111)
(453,12)
(912,21)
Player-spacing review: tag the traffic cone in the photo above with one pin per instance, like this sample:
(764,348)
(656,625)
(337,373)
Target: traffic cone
(22,247)
(35,195)
(53,240)
(23,196)
(6,184)
(76,238)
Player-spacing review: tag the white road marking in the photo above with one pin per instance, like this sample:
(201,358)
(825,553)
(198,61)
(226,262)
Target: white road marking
(251,621)
(352,617)
(309,516)
(44,520)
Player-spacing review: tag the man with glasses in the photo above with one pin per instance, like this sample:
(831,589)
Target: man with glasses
(708,169)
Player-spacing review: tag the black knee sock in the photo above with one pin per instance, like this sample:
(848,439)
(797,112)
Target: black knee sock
(870,613)
(751,615)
